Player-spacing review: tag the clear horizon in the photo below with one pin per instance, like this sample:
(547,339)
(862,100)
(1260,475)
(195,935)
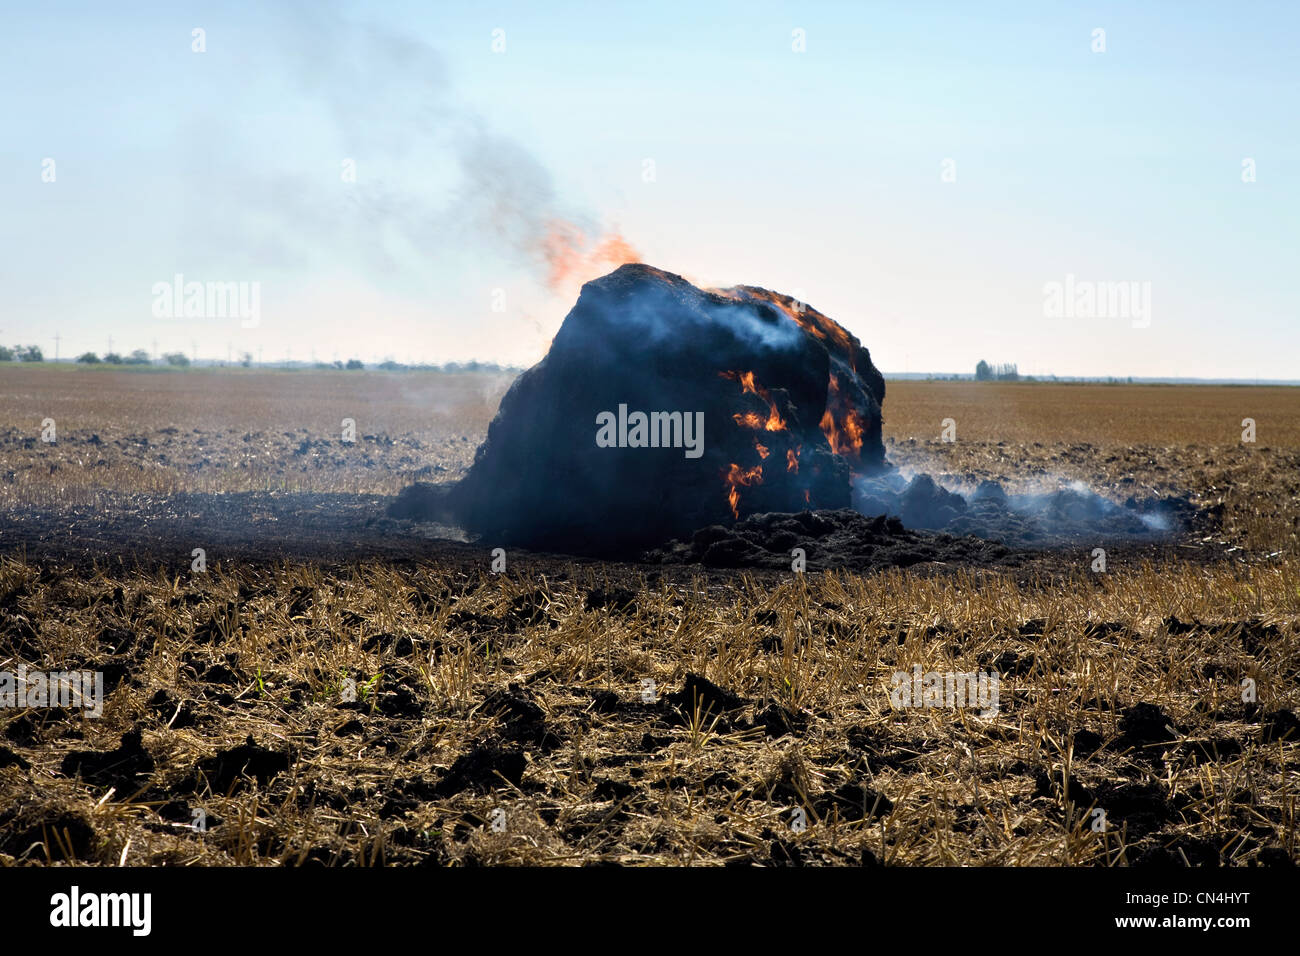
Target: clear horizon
(949,187)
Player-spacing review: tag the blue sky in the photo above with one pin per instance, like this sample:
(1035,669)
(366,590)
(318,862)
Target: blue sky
(818,173)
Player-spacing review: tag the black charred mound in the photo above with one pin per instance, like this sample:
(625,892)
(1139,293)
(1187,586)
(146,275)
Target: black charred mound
(842,539)
(791,405)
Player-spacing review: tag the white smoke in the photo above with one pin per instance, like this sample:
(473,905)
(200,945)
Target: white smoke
(1041,511)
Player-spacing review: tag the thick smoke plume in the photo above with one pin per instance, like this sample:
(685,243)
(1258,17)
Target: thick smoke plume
(433,178)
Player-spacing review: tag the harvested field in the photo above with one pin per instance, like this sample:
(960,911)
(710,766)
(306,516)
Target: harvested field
(342,688)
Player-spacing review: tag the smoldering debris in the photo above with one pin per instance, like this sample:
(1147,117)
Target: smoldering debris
(1042,516)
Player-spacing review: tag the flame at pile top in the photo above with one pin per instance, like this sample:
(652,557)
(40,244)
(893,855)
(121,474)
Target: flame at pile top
(810,320)
(570,254)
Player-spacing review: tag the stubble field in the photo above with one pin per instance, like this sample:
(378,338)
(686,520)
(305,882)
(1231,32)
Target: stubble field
(340,688)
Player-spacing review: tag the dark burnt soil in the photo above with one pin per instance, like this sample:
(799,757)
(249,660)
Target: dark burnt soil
(830,540)
(245,525)
(149,531)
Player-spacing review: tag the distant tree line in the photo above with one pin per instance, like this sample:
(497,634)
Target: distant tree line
(984,372)
(32,353)
(138,357)
(388,365)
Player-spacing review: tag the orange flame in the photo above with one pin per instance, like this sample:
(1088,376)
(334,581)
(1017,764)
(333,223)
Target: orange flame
(774,422)
(736,478)
(841,423)
(853,428)
(833,435)
(845,436)
(569,253)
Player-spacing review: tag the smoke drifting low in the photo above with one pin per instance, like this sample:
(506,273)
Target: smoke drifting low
(900,519)
(1042,515)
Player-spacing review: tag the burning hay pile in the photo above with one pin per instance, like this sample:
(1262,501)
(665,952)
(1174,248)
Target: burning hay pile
(662,408)
(666,416)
